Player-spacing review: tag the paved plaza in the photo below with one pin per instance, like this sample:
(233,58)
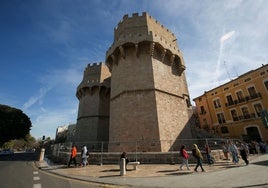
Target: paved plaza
(221,174)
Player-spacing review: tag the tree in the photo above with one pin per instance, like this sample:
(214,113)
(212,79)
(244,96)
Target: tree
(14,124)
(22,144)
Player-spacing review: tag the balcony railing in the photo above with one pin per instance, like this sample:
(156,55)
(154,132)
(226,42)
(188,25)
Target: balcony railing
(255,96)
(248,116)
(235,118)
(242,100)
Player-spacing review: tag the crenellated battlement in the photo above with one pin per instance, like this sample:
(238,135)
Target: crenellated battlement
(145,16)
(140,37)
(136,30)
(94,75)
(96,70)
(142,26)
(93,66)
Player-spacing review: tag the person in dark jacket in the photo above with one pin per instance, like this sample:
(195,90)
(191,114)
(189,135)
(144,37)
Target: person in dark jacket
(124,155)
(244,152)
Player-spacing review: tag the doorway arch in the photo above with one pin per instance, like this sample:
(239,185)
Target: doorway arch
(253,133)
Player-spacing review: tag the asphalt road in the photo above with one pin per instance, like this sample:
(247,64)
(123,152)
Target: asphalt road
(18,171)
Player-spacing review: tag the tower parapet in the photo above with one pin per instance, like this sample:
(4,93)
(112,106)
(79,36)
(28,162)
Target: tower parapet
(136,31)
(95,75)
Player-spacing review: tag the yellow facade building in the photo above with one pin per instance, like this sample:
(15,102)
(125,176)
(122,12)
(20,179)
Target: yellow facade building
(237,109)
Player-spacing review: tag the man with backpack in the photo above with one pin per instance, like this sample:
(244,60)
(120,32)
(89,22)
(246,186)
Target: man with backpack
(197,154)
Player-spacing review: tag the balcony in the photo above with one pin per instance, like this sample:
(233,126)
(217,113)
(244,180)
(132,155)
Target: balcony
(231,103)
(256,96)
(246,117)
(242,100)
(253,96)
(235,118)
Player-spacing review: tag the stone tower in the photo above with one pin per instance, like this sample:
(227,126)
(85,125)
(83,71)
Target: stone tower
(93,113)
(149,99)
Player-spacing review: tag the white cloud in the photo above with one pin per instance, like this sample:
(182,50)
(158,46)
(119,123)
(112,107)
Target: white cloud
(227,36)
(35,99)
(55,106)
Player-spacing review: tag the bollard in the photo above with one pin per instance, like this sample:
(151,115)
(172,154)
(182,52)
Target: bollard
(123,167)
(42,154)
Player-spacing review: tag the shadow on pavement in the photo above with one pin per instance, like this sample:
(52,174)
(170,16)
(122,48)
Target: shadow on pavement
(164,171)
(256,185)
(57,167)
(262,163)
(111,170)
(180,173)
(233,166)
(174,172)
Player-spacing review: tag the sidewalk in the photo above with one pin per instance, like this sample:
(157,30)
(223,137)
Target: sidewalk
(224,174)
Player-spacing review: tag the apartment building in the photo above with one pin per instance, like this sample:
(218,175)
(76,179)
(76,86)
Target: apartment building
(237,109)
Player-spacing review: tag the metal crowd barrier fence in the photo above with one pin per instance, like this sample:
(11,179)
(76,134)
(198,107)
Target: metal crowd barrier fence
(101,149)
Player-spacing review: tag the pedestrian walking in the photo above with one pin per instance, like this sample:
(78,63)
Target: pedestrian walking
(197,154)
(84,155)
(73,156)
(225,150)
(244,152)
(234,151)
(208,153)
(185,157)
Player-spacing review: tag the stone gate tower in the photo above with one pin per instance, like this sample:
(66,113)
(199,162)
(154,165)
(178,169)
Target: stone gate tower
(149,99)
(93,111)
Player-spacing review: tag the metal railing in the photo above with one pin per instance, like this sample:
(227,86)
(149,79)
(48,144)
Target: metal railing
(137,149)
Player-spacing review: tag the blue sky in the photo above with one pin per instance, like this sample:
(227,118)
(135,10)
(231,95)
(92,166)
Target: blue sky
(46,44)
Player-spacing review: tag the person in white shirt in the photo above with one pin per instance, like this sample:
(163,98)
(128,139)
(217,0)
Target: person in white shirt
(84,156)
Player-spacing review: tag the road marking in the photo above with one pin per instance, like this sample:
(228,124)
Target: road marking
(36,178)
(37,185)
